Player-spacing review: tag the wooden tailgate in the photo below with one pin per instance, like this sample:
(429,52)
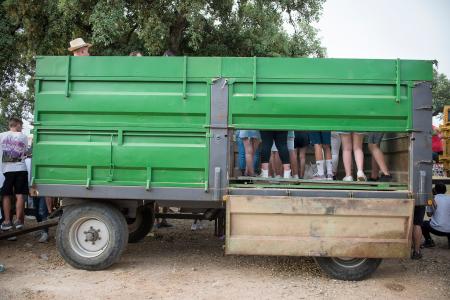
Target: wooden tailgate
(309,226)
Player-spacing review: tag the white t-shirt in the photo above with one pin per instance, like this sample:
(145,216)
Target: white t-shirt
(441,216)
(14,147)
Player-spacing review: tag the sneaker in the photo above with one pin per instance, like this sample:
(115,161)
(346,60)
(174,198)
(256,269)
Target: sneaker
(372,179)
(385,178)
(330,177)
(295,177)
(6,226)
(18,224)
(428,244)
(347,178)
(416,255)
(43,238)
(360,176)
(194,226)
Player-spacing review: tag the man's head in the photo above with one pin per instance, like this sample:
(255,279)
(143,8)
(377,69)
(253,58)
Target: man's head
(79,47)
(440,188)
(15,124)
(135,53)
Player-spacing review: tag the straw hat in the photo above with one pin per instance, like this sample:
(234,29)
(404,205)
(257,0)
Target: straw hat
(77,44)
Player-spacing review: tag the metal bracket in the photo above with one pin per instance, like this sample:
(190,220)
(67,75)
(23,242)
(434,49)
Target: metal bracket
(397,81)
(89,176)
(184,77)
(149,179)
(66,88)
(254,77)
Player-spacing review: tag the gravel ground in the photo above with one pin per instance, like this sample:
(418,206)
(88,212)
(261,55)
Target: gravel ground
(177,263)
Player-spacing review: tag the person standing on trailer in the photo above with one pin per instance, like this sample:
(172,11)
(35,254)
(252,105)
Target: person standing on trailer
(335,149)
(280,139)
(79,47)
(322,151)
(301,143)
(378,162)
(353,142)
(251,140)
(14,146)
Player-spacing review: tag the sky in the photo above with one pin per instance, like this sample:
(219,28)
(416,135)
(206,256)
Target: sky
(406,29)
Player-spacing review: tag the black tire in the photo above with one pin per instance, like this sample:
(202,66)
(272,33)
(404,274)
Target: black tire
(140,226)
(348,269)
(104,226)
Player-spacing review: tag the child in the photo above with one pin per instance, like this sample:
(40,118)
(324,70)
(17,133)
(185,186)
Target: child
(14,145)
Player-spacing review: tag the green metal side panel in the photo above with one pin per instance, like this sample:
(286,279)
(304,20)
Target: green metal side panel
(144,121)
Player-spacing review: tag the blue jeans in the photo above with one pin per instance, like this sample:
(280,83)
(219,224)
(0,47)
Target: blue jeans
(241,156)
(41,213)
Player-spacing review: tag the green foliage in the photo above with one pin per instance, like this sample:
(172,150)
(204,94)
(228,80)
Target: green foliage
(117,27)
(440,91)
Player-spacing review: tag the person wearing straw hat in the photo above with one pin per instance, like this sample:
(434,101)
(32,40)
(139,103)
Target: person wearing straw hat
(79,47)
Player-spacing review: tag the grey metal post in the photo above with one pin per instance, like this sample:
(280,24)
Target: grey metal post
(420,163)
(219,141)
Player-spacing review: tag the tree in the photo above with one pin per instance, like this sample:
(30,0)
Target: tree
(117,27)
(440,91)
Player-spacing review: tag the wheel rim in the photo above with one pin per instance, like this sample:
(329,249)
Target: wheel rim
(348,262)
(89,237)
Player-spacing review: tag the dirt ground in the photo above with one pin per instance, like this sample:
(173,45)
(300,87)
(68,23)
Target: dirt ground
(179,264)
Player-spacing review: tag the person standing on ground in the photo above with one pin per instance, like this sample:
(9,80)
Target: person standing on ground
(14,146)
(79,47)
(419,213)
(440,220)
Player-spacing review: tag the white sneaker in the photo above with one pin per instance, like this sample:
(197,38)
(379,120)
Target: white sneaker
(287,174)
(43,238)
(265,173)
(361,176)
(295,177)
(194,226)
(348,178)
(329,176)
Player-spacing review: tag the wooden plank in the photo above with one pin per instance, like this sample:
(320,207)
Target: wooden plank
(320,206)
(282,225)
(308,246)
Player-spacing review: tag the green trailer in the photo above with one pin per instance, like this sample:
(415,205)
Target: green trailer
(115,135)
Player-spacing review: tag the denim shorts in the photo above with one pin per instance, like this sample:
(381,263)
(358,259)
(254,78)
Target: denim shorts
(251,134)
(375,137)
(320,137)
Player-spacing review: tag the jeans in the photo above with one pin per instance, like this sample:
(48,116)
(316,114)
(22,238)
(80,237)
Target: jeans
(41,212)
(241,156)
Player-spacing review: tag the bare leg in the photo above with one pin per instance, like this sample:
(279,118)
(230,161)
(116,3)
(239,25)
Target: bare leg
(358,151)
(7,209)
(302,160)
(378,156)
(249,154)
(417,237)
(256,143)
(375,169)
(49,202)
(294,162)
(278,165)
(318,152)
(20,208)
(327,150)
(347,153)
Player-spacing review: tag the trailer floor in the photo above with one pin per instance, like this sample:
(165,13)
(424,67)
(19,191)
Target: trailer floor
(177,263)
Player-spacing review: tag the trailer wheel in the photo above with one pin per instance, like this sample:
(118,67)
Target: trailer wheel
(91,236)
(140,226)
(348,268)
